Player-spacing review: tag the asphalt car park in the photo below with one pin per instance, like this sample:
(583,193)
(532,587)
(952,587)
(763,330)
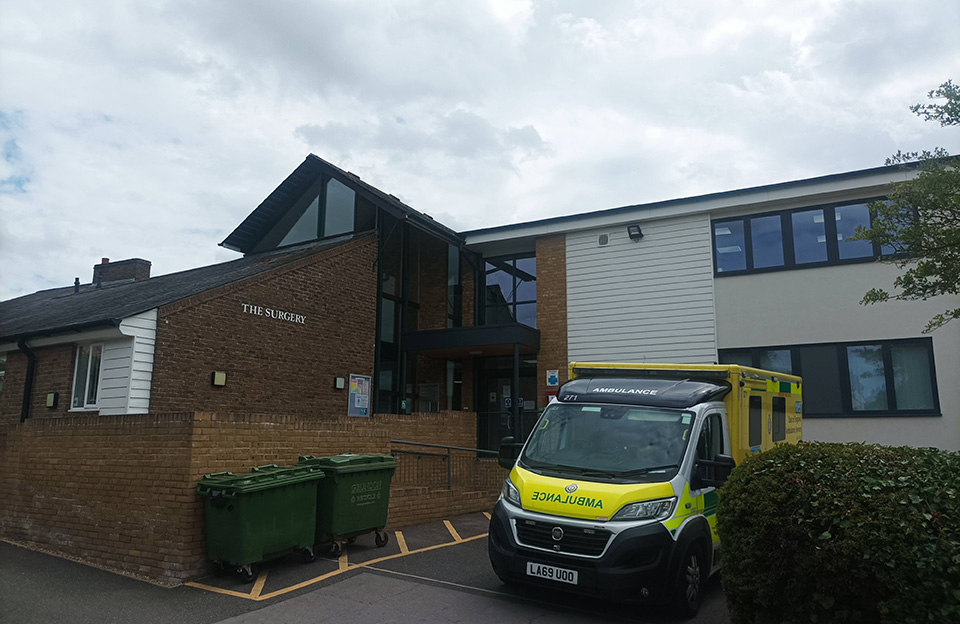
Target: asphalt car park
(436,572)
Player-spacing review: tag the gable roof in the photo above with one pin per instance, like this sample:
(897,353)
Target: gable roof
(259,222)
(62,310)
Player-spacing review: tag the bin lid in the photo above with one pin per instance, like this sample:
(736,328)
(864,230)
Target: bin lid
(262,478)
(349,462)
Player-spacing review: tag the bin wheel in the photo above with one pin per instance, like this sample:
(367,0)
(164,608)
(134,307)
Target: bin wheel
(248,572)
(335,549)
(309,555)
(351,540)
(382,538)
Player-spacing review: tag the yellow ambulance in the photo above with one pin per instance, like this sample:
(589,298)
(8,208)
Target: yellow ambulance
(614,492)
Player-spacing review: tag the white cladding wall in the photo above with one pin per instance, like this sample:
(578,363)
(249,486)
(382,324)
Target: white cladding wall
(644,301)
(821,305)
(126,370)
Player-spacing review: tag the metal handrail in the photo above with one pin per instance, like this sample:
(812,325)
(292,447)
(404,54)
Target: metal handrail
(446,457)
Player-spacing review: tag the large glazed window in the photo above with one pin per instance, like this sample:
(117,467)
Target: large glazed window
(792,239)
(86,379)
(511,291)
(880,377)
(338,209)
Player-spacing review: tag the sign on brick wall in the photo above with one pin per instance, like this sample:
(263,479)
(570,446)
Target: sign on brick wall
(359,395)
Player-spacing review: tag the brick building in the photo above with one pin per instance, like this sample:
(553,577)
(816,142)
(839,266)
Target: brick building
(130,388)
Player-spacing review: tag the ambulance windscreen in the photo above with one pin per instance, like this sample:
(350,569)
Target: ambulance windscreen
(616,442)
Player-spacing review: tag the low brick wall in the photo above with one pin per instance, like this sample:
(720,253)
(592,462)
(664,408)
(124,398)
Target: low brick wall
(119,491)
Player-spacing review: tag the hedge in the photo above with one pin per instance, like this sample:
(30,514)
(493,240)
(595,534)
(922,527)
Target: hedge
(822,533)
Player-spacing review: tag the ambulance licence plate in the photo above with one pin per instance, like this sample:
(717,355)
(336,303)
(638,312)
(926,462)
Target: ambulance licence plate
(551,573)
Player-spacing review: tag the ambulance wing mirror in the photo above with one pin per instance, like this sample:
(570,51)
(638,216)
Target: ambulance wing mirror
(509,451)
(714,473)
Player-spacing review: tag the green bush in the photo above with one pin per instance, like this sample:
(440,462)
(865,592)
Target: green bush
(842,533)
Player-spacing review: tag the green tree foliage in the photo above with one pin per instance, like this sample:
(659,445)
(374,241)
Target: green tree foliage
(921,220)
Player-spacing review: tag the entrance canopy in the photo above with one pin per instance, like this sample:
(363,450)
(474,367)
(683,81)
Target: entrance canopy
(459,343)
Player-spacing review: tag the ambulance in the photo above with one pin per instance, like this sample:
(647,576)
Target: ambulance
(614,492)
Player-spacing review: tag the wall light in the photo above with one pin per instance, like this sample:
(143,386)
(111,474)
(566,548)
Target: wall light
(218,378)
(339,383)
(634,232)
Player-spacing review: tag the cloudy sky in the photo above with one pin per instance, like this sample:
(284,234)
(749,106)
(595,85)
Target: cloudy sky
(152,128)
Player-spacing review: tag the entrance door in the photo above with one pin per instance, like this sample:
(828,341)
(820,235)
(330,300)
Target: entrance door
(494,403)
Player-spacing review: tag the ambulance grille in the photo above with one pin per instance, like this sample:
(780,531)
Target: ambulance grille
(575,540)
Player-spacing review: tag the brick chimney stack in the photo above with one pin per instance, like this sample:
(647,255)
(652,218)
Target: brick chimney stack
(134,270)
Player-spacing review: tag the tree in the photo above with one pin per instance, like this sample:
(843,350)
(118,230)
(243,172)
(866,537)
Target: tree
(920,222)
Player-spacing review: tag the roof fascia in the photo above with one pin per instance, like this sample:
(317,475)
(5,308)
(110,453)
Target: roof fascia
(870,181)
(90,332)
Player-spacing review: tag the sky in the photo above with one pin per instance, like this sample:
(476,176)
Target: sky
(151,129)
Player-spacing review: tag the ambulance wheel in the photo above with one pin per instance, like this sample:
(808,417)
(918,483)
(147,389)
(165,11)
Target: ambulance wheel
(248,572)
(381,539)
(689,588)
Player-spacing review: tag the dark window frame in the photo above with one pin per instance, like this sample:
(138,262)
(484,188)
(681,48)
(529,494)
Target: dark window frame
(497,264)
(787,241)
(846,397)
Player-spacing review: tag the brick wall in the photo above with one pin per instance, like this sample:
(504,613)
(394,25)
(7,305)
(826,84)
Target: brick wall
(551,311)
(53,373)
(119,491)
(111,490)
(272,365)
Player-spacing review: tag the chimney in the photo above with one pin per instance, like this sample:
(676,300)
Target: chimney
(132,270)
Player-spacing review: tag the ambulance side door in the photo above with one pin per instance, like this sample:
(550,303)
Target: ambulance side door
(712,441)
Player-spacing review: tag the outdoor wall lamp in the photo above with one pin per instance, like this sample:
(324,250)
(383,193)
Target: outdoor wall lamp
(339,383)
(218,379)
(634,232)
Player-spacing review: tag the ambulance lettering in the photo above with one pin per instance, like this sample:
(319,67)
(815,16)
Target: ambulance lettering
(566,499)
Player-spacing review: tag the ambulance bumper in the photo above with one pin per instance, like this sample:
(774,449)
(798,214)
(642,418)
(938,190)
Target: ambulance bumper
(634,567)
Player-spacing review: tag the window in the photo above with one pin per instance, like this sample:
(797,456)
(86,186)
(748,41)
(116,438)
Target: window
(338,209)
(710,443)
(3,370)
(792,239)
(756,421)
(511,291)
(86,379)
(881,377)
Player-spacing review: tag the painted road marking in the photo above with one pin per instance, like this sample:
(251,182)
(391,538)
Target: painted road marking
(258,586)
(487,515)
(401,542)
(345,566)
(453,531)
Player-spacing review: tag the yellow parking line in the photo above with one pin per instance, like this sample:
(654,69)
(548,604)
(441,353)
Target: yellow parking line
(217,590)
(355,566)
(258,586)
(343,563)
(453,531)
(487,515)
(402,543)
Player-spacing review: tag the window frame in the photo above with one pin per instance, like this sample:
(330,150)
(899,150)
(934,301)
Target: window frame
(846,397)
(86,407)
(497,263)
(787,239)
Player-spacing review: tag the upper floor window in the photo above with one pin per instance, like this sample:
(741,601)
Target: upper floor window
(86,378)
(332,210)
(792,239)
(511,291)
(3,369)
(881,377)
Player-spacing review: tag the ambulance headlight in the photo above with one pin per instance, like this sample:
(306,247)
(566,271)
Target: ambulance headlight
(648,510)
(510,493)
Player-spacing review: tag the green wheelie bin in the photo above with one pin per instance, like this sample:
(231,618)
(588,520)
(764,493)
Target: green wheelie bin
(353,498)
(261,515)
